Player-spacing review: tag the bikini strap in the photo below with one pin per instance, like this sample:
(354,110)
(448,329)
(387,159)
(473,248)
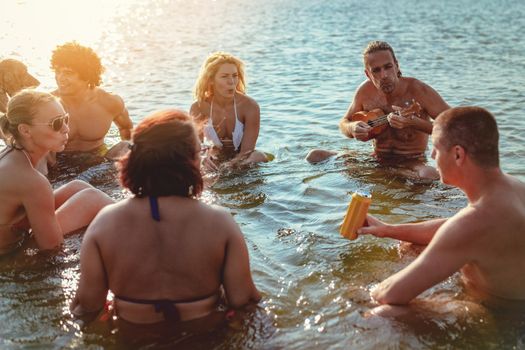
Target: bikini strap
(235,108)
(27,156)
(8,149)
(171,301)
(167,307)
(169,311)
(154,206)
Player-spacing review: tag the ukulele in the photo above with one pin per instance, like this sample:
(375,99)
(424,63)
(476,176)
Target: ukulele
(378,120)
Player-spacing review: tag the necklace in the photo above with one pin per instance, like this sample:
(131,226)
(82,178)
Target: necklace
(217,126)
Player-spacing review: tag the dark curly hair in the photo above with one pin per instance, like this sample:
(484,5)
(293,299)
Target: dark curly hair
(473,128)
(162,159)
(81,59)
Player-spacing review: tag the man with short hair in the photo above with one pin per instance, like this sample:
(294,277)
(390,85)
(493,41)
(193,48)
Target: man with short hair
(406,135)
(91,109)
(486,239)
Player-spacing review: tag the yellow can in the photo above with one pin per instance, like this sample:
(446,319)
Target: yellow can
(355,215)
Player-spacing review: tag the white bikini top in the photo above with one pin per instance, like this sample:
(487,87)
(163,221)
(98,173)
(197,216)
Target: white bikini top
(238,131)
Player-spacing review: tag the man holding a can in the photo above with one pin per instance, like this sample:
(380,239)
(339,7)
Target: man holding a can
(485,240)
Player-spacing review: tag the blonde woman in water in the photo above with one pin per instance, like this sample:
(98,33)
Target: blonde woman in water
(229,118)
(34,125)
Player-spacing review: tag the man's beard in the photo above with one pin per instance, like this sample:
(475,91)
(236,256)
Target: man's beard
(387,87)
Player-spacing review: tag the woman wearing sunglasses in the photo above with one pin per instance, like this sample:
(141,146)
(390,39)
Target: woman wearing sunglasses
(165,255)
(34,125)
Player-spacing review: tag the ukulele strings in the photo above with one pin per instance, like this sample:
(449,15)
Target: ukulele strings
(383,119)
(378,121)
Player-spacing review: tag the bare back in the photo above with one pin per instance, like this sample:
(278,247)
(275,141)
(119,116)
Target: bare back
(498,248)
(11,191)
(485,240)
(155,252)
(188,255)
(27,202)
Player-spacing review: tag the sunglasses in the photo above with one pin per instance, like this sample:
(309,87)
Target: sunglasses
(56,123)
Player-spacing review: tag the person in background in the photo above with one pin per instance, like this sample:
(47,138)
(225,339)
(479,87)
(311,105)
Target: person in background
(230,119)
(405,139)
(92,110)
(34,125)
(186,257)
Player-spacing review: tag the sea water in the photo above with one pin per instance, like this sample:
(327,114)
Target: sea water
(303,64)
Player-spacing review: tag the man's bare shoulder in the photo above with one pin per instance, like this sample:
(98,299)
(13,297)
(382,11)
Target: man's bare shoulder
(417,86)
(507,201)
(366,88)
(113,103)
(468,223)
(471,228)
(364,94)
(517,186)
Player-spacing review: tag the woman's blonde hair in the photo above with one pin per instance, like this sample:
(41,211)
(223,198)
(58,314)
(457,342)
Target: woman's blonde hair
(21,109)
(203,89)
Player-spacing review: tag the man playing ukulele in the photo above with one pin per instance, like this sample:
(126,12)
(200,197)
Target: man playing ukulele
(406,136)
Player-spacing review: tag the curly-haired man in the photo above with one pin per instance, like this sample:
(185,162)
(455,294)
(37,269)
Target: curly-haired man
(91,109)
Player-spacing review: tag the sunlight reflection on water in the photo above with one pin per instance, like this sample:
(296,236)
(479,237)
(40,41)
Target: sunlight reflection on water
(303,64)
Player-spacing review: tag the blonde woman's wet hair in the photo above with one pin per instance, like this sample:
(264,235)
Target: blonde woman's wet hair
(21,109)
(203,89)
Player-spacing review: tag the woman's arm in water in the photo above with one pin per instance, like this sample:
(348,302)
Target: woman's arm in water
(92,289)
(238,284)
(39,203)
(199,118)
(251,128)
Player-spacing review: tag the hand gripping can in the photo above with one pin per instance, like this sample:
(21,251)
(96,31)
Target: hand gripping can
(355,215)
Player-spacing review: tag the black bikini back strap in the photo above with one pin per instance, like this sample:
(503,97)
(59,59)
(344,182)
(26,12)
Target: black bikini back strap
(172,301)
(154,206)
(167,307)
